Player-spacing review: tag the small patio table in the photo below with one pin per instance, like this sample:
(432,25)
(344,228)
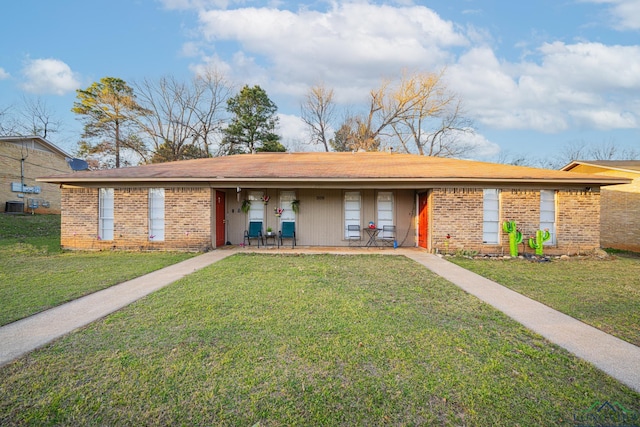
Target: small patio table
(373,236)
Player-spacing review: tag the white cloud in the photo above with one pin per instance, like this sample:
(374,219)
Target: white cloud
(606,119)
(48,76)
(3,74)
(589,85)
(349,45)
(625,14)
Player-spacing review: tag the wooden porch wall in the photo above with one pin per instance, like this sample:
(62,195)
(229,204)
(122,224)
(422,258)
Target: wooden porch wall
(320,221)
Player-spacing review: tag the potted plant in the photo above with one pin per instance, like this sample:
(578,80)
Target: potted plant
(269,231)
(246,205)
(295,206)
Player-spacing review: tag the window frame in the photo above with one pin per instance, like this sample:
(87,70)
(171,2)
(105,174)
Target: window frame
(350,198)
(156,210)
(106,214)
(286,199)
(382,215)
(548,214)
(491,216)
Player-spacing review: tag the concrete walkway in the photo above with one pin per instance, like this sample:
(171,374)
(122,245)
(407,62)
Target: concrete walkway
(612,355)
(23,336)
(616,357)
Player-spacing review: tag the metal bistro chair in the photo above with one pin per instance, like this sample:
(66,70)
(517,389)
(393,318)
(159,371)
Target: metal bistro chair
(354,234)
(387,235)
(288,231)
(254,232)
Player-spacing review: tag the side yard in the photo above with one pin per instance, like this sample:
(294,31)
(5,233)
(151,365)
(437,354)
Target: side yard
(604,293)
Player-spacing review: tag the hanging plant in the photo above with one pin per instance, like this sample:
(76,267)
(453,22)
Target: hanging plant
(246,205)
(295,206)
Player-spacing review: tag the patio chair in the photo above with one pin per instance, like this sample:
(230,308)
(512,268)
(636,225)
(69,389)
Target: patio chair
(354,234)
(288,231)
(388,235)
(254,232)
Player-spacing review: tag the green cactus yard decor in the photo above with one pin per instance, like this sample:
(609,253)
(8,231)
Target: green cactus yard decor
(541,237)
(515,237)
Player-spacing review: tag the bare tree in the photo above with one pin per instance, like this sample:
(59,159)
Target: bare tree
(317,112)
(8,124)
(186,118)
(434,118)
(581,150)
(38,118)
(417,113)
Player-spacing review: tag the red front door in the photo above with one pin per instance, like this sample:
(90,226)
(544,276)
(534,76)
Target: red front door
(423,220)
(220,219)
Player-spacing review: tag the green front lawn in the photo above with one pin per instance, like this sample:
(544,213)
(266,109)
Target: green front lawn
(35,275)
(604,293)
(305,340)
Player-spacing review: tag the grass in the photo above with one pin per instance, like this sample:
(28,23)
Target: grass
(305,340)
(36,275)
(604,293)
(41,231)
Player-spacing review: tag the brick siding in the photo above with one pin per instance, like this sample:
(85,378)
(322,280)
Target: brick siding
(187,220)
(621,217)
(37,163)
(454,211)
(459,213)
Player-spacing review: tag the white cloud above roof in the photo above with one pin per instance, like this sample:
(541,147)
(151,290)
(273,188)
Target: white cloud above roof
(48,76)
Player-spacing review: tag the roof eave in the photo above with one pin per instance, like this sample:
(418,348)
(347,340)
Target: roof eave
(596,181)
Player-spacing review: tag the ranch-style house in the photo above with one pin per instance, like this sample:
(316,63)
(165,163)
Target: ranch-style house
(329,199)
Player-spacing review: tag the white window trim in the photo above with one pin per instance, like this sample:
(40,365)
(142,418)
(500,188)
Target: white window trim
(106,220)
(286,198)
(382,215)
(256,210)
(350,214)
(156,214)
(491,216)
(549,206)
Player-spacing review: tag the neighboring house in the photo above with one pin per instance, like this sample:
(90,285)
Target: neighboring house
(197,204)
(22,159)
(619,204)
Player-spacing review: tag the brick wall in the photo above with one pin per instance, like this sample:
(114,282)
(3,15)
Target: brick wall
(578,224)
(620,216)
(459,213)
(187,219)
(37,163)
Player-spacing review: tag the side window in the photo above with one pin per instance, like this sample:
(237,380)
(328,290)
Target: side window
(351,210)
(491,216)
(385,209)
(548,214)
(156,214)
(256,212)
(286,198)
(105,220)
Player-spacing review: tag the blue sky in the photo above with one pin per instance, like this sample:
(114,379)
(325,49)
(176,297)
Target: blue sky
(534,76)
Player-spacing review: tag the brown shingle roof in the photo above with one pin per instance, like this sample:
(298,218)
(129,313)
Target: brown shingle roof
(330,168)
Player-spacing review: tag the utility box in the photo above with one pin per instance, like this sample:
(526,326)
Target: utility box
(14,207)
